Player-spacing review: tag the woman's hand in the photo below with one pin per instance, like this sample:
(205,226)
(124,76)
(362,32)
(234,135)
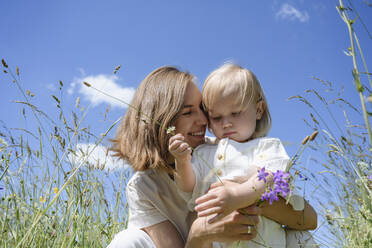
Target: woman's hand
(232,227)
(221,200)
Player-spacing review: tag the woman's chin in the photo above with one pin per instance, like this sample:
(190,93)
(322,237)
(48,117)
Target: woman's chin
(195,141)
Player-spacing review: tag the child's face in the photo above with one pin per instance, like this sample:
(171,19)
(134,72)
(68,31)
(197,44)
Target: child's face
(228,120)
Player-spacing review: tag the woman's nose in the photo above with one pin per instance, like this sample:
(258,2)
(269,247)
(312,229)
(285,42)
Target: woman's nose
(201,118)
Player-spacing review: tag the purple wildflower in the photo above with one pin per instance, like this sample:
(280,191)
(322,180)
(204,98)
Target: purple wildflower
(262,174)
(280,185)
(270,196)
(302,176)
(279,175)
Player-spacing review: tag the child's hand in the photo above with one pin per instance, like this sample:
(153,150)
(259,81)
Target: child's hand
(180,150)
(220,200)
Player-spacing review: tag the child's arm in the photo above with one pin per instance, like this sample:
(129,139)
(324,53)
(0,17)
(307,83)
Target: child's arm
(231,196)
(181,151)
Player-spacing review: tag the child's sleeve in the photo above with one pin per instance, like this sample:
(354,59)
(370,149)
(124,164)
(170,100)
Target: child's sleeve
(270,153)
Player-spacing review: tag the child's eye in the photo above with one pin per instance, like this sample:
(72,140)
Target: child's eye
(187,113)
(235,113)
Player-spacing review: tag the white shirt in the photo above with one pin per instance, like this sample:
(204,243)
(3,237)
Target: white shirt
(239,161)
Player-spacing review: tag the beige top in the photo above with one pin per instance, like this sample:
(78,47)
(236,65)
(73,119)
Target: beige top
(153,198)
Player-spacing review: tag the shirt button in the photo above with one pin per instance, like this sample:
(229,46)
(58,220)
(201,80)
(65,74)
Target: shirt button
(220,157)
(223,142)
(219,173)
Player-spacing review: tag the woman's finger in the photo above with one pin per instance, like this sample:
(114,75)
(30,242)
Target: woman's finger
(244,235)
(251,210)
(248,219)
(217,217)
(238,218)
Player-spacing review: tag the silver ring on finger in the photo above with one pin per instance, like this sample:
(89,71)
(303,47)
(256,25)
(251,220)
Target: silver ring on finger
(249,229)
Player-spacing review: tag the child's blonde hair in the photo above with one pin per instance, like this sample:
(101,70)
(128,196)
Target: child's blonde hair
(241,85)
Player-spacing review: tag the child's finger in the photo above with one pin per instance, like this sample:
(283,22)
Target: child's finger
(208,204)
(210,211)
(205,198)
(183,147)
(215,185)
(176,137)
(174,145)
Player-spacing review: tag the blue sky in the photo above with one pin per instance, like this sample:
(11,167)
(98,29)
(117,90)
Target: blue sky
(285,43)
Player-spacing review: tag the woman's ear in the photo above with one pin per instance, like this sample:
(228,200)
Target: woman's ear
(260,109)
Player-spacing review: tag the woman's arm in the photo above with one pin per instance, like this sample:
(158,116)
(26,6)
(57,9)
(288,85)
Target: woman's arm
(284,214)
(164,234)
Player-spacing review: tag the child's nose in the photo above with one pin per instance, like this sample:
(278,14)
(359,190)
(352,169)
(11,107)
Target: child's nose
(226,123)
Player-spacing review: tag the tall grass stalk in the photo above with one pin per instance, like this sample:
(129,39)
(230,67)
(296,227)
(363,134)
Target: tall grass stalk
(53,195)
(356,73)
(342,154)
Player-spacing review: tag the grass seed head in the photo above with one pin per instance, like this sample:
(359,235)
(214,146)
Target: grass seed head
(305,140)
(313,135)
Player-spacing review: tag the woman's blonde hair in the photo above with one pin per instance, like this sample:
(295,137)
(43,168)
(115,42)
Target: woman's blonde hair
(141,138)
(242,86)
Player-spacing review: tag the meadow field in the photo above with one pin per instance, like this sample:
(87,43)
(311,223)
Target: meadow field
(54,195)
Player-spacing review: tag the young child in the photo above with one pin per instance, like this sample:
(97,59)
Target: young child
(239,118)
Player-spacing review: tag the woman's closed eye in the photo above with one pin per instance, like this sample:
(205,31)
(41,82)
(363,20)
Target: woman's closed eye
(235,114)
(216,118)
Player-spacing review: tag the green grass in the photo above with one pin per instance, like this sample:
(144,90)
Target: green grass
(342,152)
(53,196)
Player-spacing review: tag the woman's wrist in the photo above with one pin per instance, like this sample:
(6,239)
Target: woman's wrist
(198,235)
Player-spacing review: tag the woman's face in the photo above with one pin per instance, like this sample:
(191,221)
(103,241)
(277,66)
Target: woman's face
(191,121)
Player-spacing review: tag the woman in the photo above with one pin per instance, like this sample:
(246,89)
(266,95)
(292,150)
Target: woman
(168,97)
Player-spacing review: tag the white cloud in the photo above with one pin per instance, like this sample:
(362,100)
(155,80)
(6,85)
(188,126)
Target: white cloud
(106,83)
(51,87)
(289,12)
(99,158)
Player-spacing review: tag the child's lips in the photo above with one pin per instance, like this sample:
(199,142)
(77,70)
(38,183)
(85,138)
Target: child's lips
(228,134)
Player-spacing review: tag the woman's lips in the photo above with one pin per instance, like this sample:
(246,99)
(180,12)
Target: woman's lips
(197,134)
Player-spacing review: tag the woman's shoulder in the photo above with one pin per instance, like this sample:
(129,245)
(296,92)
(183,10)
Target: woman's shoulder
(144,179)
